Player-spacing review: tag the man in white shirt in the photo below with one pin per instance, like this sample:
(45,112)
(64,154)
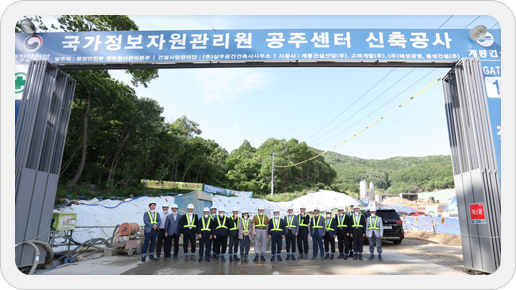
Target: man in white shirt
(161,231)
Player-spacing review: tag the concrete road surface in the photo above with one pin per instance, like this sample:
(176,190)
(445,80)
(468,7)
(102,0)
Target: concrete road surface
(394,263)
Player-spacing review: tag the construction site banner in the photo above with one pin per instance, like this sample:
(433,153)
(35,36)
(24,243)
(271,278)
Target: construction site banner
(213,189)
(166,46)
(171,185)
(239,193)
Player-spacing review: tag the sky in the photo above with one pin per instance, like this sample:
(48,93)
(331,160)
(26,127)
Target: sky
(254,104)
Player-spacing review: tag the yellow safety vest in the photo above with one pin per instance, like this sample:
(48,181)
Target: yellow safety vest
(190,224)
(316,225)
(204,226)
(370,224)
(301,221)
(261,223)
(290,223)
(235,225)
(246,226)
(276,227)
(328,228)
(155,220)
(223,223)
(356,224)
(341,222)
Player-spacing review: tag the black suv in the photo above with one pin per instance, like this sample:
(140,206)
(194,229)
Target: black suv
(392,224)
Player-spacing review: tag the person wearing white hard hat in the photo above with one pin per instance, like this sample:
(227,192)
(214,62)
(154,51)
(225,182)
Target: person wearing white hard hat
(276,234)
(374,233)
(342,220)
(222,225)
(303,220)
(291,231)
(350,240)
(161,229)
(152,221)
(330,233)
(206,232)
(189,230)
(213,216)
(233,236)
(244,234)
(260,225)
(172,233)
(317,232)
(358,232)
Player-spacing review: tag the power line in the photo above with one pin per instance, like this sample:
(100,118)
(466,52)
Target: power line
(472,21)
(364,106)
(379,107)
(383,117)
(446,21)
(350,105)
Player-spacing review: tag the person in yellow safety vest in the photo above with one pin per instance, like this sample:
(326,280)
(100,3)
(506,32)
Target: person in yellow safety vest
(260,225)
(189,230)
(214,243)
(291,230)
(303,220)
(245,228)
(330,228)
(343,238)
(276,234)
(317,232)
(152,220)
(222,225)
(357,223)
(233,236)
(374,233)
(350,240)
(206,232)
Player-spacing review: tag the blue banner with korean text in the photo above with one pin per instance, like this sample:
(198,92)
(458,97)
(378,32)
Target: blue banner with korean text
(213,189)
(492,71)
(414,45)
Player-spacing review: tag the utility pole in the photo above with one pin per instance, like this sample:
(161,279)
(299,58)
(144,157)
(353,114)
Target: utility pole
(272,182)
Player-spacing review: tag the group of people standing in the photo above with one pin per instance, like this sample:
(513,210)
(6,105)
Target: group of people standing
(214,228)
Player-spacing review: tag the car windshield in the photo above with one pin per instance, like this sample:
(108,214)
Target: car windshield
(388,214)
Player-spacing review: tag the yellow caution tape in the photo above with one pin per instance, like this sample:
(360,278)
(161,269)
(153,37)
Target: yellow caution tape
(410,99)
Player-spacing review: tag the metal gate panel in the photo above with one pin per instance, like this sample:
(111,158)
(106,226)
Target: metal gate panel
(474,165)
(40,139)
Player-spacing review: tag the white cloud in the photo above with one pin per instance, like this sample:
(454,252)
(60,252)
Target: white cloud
(222,85)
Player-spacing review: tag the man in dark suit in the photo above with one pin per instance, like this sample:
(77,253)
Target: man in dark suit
(206,231)
(188,226)
(358,232)
(172,232)
(151,220)
(276,234)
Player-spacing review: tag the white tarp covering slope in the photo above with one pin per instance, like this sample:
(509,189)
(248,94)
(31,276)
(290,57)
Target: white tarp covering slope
(111,212)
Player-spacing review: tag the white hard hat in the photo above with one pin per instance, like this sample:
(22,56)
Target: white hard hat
(213,207)
(235,209)
(261,207)
(221,209)
(165,205)
(245,211)
(275,210)
(316,208)
(356,206)
(302,206)
(152,202)
(290,207)
(329,210)
(206,209)
(372,209)
(340,208)
(174,205)
(190,206)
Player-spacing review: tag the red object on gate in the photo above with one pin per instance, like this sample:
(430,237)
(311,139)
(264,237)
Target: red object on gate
(476,211)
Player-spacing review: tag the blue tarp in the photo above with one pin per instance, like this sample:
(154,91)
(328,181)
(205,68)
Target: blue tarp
(445,225)
(451,204)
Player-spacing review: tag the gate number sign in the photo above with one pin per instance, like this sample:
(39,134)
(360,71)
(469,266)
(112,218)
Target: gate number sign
(477,213)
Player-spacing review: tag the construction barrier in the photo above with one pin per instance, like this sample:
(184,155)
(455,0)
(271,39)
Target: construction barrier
(444,225)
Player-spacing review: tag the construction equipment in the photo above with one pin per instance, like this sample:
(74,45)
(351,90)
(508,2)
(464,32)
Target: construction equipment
(128,239)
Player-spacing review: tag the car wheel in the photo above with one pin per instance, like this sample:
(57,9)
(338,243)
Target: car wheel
(397,242)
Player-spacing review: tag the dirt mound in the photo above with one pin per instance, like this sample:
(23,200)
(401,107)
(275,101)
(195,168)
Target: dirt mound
(446,239)
(395,200)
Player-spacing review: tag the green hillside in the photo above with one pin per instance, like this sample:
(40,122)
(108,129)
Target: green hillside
(392,175)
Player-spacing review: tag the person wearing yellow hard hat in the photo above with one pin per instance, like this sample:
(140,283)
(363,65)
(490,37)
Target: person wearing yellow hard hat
(189,230)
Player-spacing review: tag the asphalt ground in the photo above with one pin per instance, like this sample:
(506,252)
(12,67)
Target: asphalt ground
(394,263)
